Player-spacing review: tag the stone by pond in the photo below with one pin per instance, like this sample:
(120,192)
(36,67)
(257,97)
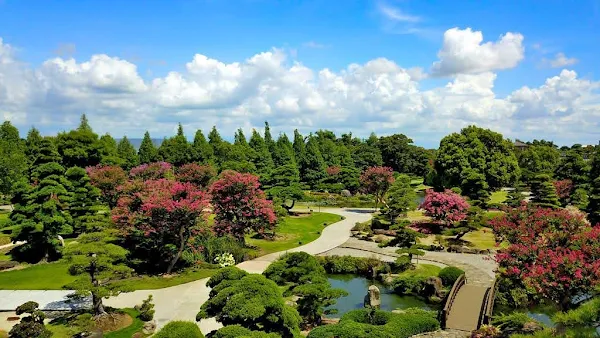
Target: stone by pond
(357,287)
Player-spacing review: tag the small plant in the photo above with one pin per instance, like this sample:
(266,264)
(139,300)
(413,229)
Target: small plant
(449,275)
(32,325)
(225,259)
(147,309)
(486,331)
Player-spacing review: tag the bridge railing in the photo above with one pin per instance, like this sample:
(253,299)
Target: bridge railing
(488,306)
(450,299)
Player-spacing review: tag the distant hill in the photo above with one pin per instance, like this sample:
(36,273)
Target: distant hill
(136,142)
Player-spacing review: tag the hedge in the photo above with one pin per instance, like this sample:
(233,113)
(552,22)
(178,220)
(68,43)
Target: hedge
(449,275)
(357,324)
(238,331)
(179,329)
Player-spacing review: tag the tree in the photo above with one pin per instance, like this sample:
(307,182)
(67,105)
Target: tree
(447,207)
(32,325)
(377,181)
(176,150)
(515,197)
(261,156)
(109,154)
(42,213)
(298,146)
(478,149)
(572,166)
(163,215)
(398,152)
(269,139)
(218,145)
(563,189)
(538,159)
(79,147)
(252,301)
(152,171)
(13,164)
(312,165)
(240,205)
(286,186)
(107,179)
(199,175)
(127,152)
(475,186)
(552,251)
(284,152)
(201,150)
(100,264)
(367,154)
(593,207)
(544,193)
(84,203)
(401,198)
(147,152)
(33,144)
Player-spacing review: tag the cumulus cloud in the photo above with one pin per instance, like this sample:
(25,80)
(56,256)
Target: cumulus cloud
(378,95)
(559,60)
(463,52)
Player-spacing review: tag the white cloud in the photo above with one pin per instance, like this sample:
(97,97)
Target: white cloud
(396,14)
(560,60)
(463,52)
(378,95)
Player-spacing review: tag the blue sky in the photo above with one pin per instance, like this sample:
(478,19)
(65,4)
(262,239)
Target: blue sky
(161,37)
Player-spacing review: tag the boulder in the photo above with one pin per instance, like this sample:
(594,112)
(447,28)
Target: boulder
(149,327)
(373,297)
(433,287)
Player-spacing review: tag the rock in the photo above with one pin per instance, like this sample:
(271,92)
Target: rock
(399,311)
(346,193)
(433,287)
(531,327)
(149,327)
(373,297)
(138,335)
(96,334)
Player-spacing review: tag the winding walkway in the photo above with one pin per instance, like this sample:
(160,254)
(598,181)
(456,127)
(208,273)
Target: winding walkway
(182,302)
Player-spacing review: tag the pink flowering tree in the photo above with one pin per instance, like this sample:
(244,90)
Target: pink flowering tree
(554,253)
(446,207)
(564,188)
(377,181)
(240,205)
(160,216)
(152,171)
(107,179)
(199,175)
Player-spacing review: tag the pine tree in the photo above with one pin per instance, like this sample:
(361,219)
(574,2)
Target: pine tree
(202,151)
(127,153)
(84,201)
(261,156)
(593,207)
(284,152)
(147,152)
(217,144)
(312,164)
(544,193)
(13,160)
(33,144)
(176,150)
(79,147)
(109,154)
(269,138)
(240,138)
(47,154)
(299,146)
(45,208)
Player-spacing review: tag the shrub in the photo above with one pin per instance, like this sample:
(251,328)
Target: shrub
(486,331)
(147,309)
(516,322)
(178,329)
(405,285)
(238,331)
(449,275)
(368,267)
(379,324)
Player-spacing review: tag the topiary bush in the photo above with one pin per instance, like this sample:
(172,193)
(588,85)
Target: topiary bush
(379,324)
(407,285)
(368,267)
(238,331)
(147,309)
(449,275)
(179,329)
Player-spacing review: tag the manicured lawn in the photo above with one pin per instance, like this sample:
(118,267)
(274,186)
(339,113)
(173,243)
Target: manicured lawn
(158,282)
(422,270)
(294,231)
(129,331)
(416,215)
(43,276)
(480,239)
(498,196)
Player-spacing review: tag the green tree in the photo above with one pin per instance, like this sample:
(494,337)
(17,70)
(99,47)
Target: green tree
(261,156)
(127,152)
(543,191)
(515,196)
(401,197)
(79,147)
(398,152)
(366,154)
(481,150)
(33,144)
(252,301)
(47,154)
(475,186)
(573,167)
(219,146)
(84,201)
(13,161)
(284,151)
(312,165)
(109,154)
(593,207)
(269,138)
(538,159)
(41,213)
(100,264)
(147,152)
(299,145)
(176,150)
(202,151)
(31,326)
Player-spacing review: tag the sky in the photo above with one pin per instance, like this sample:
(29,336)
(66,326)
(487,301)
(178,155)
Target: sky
(527,69)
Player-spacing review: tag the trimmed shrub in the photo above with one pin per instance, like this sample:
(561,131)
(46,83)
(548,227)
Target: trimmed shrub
(147,309)
(449,275)
(406,285)
(238,331)
(179,329)
(368,267)
(379,324)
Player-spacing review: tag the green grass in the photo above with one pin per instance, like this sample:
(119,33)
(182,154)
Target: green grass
(294,231)
(481,239)
(498,196)
(67,328)
(127,332)
(61,330)
(43,276)
(422,270)
(4,239)
(3,219)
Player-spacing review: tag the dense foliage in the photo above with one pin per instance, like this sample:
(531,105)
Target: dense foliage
(447,207)
(179,329)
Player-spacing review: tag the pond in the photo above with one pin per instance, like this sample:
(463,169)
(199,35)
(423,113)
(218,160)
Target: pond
(357,286)
(541,313)
(420,197)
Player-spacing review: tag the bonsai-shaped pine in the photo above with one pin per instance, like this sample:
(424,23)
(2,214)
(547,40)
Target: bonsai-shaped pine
(32,325)
(401,198)
(101,265)
(146,309)
(474,221)
(544,192)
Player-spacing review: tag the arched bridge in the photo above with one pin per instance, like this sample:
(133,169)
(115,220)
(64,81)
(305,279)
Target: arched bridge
(468,306)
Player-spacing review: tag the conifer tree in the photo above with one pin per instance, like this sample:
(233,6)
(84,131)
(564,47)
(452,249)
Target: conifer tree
(109,154)
(176,150)
(147,152)
(127,153)
(593,207)
(202,151)
(269,138)
(261,156)
(33,144)
(84,201)
(312,164)
(544,193)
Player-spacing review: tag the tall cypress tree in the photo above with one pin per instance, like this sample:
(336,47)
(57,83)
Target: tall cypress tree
(312,166)
(269,138)
(147,152)
(284,151)
(109,154)
(262,157)
(218,145)
(240,139)
(13,161)
(202,151)
(127,153)
(84,201)
(176,150)
(299,146)
(33,144)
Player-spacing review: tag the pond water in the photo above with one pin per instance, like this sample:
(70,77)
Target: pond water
(357,286)
(541,313)
(420,197)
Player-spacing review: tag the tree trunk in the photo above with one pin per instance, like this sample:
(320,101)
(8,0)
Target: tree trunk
(97,305)
(288,208)
(182,242)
